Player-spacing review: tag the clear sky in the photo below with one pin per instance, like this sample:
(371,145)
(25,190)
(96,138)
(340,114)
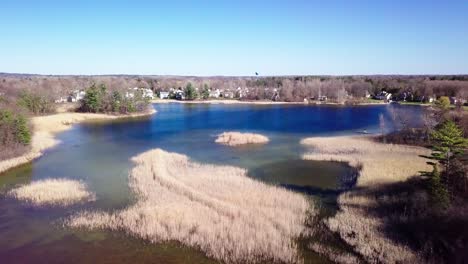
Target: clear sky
(234,37)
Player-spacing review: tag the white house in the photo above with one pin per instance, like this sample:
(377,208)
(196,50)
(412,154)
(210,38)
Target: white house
(61,100)
(76,96)
(163,95)
(215,93)
(384,96)
(322,98)
(228,94)
(146,93)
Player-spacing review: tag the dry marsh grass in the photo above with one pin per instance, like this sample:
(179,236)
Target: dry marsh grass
(237,138)
(379,164)
(56,192)
(216,209)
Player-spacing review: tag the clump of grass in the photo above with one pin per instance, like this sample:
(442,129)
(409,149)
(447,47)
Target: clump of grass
(56,192)
(379,164)
(333,254)
(216,209)
(237,138)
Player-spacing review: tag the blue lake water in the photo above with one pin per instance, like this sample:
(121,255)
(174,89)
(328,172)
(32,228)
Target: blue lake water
(99,154)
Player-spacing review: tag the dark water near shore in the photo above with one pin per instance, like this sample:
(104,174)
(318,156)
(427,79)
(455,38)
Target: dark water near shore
(99,154)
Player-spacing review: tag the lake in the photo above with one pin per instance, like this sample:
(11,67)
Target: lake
(99,153)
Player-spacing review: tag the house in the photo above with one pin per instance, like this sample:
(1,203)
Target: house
(179,94)
(322,98)
(145,92)
(163,95)
(228,94)
(76,96)
(368,95)
(148,93)
(455,100)
(240,93)
(61,100)
(384,96)
(215,93)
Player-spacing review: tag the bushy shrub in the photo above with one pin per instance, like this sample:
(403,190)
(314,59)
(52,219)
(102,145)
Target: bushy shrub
(14,128)
(35,103)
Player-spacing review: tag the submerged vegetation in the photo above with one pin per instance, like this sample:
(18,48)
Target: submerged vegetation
(55,192)
(217,209)
(237,138)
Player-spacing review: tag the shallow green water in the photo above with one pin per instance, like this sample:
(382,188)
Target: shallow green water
(99,154)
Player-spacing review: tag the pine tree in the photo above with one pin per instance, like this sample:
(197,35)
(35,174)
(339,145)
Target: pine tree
(448,143)
(437,190)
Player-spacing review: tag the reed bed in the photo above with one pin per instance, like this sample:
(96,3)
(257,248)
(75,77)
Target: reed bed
(55,192)
(237,139)
(379,164)
(217,209)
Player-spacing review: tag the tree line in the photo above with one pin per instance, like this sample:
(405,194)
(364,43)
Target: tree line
(287,88)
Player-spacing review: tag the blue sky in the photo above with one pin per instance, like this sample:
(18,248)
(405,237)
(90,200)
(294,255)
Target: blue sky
(234,37)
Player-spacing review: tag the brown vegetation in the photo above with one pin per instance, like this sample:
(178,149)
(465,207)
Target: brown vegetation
(57,192)
(379,164)
(237,138)
(217,209)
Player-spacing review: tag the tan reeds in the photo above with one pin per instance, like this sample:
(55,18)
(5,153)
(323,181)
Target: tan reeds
(217,209)
(237,138)
(380,164)
(57,192)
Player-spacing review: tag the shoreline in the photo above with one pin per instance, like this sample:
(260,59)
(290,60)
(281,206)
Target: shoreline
(45,128)
(379,165)
(233,101)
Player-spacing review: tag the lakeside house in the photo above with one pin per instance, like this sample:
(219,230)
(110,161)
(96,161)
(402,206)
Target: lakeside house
(214,93)
(163,95)
(323,98)
(228,94)
(383,96)
(146,93)
(179,94)
(76,96)
(456,100)
(61,100)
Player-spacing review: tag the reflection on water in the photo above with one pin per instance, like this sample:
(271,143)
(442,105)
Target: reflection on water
(312,177)
(99,154)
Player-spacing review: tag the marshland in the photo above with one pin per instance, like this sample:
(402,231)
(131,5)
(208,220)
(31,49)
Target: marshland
(160,188)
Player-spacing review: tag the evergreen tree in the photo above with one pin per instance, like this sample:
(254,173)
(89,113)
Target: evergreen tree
(22,133)
(91,101)
(205,92)
(190,92)
(448,143)
(437,190)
